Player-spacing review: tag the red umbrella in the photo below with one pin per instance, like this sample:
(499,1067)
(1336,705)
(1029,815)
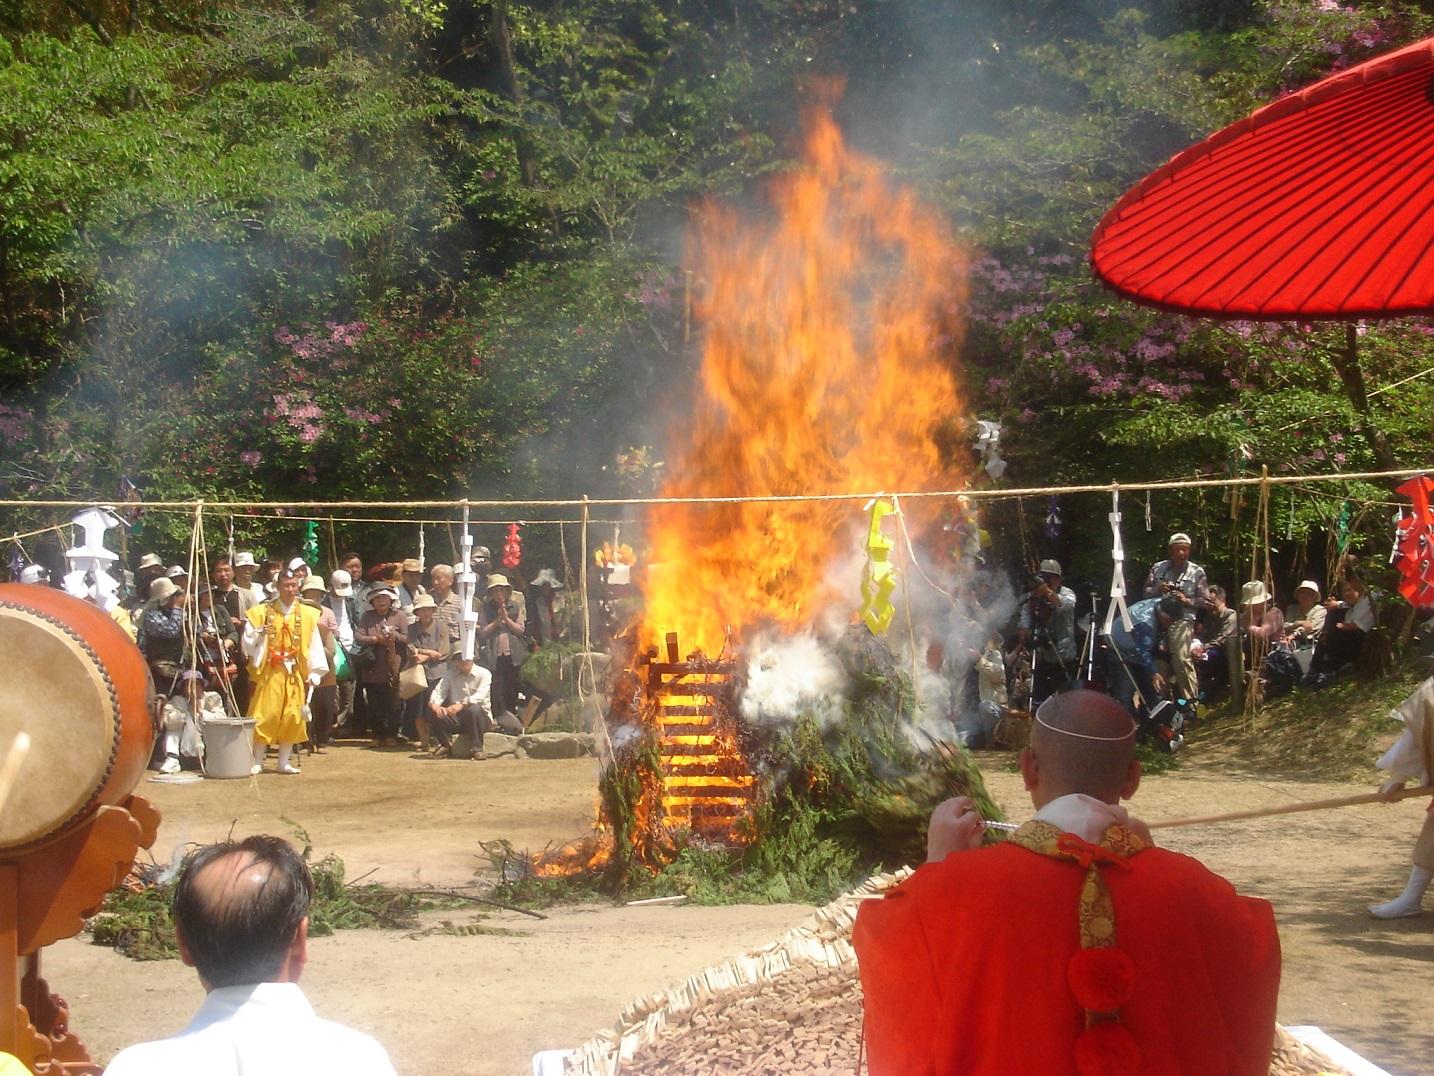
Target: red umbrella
(1320,205)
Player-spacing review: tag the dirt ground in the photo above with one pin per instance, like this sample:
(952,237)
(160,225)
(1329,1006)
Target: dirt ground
(482,1004)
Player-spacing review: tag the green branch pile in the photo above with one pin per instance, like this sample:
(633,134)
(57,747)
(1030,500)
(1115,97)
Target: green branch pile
(138,922)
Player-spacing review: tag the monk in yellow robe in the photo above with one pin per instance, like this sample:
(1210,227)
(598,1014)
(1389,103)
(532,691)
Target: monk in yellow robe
(286,655)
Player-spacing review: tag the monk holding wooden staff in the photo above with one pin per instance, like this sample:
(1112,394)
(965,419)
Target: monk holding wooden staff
(286,654)
(1074,947)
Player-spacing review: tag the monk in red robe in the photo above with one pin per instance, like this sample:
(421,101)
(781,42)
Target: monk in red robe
(1076,946)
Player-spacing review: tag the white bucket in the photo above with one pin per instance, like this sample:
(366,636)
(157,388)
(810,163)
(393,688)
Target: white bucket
(228,746)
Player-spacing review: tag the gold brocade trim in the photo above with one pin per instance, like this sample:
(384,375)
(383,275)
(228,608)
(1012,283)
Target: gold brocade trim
(1096,910)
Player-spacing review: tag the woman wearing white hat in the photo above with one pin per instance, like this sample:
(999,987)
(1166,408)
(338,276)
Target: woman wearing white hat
(1304,620)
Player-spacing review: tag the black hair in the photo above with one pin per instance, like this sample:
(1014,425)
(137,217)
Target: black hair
(350,555)
(1172,607)
(1217,591)
(243,940)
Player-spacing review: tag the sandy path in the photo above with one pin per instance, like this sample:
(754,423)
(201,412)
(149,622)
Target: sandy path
(483,1004)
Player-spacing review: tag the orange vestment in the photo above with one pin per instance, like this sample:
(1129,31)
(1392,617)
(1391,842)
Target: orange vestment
(965,967)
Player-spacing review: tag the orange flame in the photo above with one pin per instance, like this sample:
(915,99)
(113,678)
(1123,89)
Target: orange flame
(831,334)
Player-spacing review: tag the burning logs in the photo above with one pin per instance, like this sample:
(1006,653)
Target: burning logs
(706,786)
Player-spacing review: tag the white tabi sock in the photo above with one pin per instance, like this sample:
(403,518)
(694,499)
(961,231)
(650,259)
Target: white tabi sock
(1407,903)
(260,748)
(285,750)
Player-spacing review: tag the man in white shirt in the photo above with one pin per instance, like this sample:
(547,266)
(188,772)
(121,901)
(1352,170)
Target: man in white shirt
(241,916)
(460,702)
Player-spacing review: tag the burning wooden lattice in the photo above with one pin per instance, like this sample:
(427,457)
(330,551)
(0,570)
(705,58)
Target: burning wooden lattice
(706,786)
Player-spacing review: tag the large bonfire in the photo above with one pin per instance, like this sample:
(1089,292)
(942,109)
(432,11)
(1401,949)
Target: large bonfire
(830,329)
(830,334)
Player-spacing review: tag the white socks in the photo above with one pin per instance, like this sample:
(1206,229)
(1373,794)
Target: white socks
(171,753)
(1407,903)
(285,750)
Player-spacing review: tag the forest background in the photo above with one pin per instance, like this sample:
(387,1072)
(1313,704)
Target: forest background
(408,249)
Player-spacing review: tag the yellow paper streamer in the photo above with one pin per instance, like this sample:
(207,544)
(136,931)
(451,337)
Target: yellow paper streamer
(878,579)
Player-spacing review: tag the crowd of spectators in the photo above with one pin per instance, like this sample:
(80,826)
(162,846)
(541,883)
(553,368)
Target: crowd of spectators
(393,636)
(1177,649)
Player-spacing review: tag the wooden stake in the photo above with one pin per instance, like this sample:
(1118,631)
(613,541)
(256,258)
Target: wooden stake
(1297,808)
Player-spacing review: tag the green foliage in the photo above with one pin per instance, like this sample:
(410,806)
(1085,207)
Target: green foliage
(138,923)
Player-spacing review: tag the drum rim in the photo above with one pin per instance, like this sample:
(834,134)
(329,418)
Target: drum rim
(116,719)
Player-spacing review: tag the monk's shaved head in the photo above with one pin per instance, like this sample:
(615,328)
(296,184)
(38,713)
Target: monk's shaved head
(1083,741)
(238,907)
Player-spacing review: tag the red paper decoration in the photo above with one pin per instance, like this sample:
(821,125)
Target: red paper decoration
(1414,545)
(513,548)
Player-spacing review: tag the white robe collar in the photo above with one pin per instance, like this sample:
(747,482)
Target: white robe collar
(1085,816)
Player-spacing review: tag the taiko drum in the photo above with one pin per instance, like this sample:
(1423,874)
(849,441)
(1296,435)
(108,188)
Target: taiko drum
(75,681)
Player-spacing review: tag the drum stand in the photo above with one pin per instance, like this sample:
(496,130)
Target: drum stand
(46,894)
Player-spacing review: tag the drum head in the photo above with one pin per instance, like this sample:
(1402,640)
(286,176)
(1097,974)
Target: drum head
(56,690)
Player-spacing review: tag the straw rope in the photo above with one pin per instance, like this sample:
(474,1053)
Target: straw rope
(607,502)
(35,533)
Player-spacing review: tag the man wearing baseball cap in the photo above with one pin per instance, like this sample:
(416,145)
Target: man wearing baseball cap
(410,586)
(1177,575)
(1047,631)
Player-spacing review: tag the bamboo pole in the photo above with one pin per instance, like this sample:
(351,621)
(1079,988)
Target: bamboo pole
(1296,808)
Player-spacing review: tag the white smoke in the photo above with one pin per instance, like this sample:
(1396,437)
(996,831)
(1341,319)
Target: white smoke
(787,676)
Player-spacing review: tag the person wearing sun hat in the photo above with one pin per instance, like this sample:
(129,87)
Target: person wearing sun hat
(149,569)
(1304,619)
(1180,577)
(429,645)
(502,636)
(1260,618)
(382,634)
(244,568)
(1060,949)
(410,585)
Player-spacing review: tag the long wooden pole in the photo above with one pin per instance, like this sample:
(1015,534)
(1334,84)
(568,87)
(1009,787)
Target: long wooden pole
(1297,808)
